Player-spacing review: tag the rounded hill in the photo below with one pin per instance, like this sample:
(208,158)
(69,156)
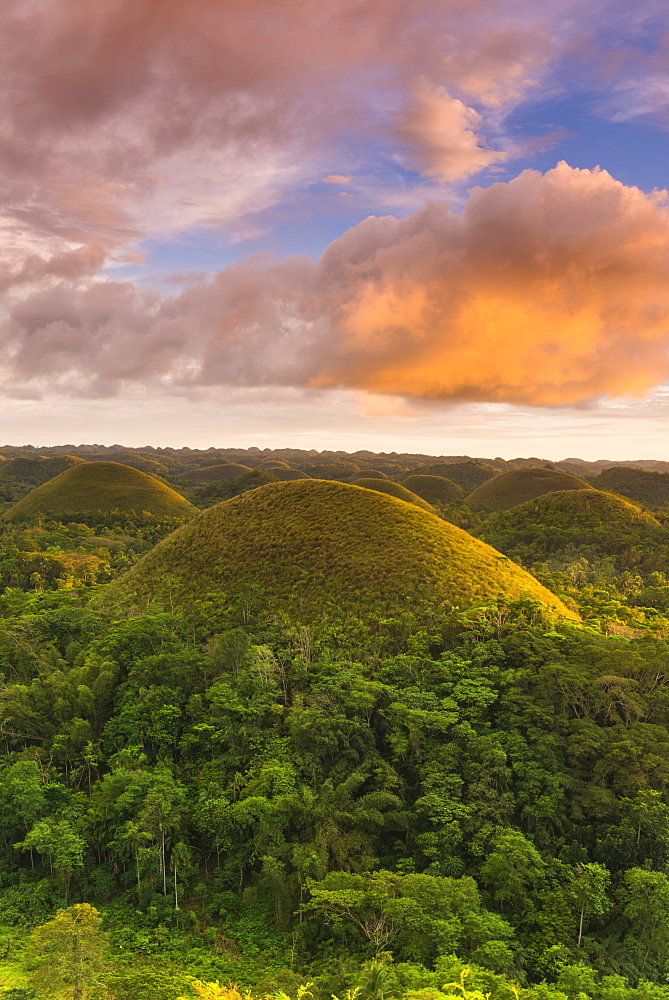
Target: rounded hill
(394,490)
(133,459)
(509,489)
(585,522)
(437,490)
(101,487)
(651,488)
(468,475)
(283,474)
(369,474)
(221,472)
(36,471)
(315,547)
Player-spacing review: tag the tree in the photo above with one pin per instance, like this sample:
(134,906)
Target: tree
(358,899)
(56,839)
(161,814)
(422,915)
(645,899)
(512,870)
(67,952)
(588,884)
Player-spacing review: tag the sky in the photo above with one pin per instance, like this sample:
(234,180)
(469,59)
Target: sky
(435,226)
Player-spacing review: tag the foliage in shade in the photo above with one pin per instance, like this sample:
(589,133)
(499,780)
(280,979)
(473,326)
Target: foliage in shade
(436,490)
(308,545)
(394,490)
(510,489)
(650,488)
(104,487)
(222,472)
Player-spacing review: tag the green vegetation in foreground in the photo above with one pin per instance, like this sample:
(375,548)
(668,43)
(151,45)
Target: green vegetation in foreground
(101,487)
(437,490)
(509,489)
(221,472)
(649,488)
(313,545)
(394,490)
(420,803)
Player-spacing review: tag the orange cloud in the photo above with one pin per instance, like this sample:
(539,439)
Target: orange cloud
(548,290)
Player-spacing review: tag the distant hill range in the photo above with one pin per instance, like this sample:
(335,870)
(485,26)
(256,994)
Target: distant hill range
(457,482)
(312,461)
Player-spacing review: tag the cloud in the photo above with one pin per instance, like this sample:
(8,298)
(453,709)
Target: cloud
(551,290)
(122,118)
(337,179)
(123,121)
(498,64)
(442,135)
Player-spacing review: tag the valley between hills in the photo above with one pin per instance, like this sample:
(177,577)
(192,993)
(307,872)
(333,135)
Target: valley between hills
(308,725)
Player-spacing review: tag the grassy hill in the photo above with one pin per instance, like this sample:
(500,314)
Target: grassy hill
(587,523)
(100,486)
(334,469)
(283,474)
(468,475)
(509,489)
(134,459)
(221,472)
(435,489)
(394,490)
(310,547)
(37,470)
(650,488)
(370,474)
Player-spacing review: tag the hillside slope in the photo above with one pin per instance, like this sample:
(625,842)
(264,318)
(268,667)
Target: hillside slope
(314,546)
